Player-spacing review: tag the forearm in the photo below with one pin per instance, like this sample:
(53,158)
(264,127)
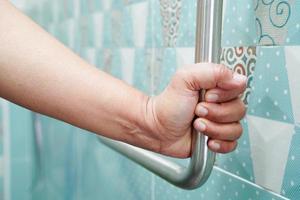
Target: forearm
(39,73)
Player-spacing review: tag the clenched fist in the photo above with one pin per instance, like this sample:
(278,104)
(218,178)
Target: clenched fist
(173,112)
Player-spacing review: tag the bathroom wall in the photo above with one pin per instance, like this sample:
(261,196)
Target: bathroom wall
(143,42)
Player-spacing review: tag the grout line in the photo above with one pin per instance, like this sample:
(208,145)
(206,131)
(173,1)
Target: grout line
(6,149)
(249,182)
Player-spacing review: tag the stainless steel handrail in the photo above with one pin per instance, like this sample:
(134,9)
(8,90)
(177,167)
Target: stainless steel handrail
(208,48)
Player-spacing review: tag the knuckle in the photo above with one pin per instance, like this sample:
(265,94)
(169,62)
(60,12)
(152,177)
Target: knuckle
(222,113)
(195,123)
(239,130)
(244,87)
(201,109)
(241,108)
(243,112)
(224,95)
(234,146)
(225,147)
(212,130)
(229,147)
(220,70)
(214,134)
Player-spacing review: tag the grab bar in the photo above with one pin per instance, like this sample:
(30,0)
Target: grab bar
(208,47)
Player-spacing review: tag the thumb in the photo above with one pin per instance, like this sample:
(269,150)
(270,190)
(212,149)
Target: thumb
(207,76)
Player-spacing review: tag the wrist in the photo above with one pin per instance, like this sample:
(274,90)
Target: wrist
(148,124)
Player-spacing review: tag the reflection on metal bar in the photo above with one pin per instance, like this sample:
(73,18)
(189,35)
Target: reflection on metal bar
(208,47)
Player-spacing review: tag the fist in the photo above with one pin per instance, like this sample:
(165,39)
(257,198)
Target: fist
(178,109)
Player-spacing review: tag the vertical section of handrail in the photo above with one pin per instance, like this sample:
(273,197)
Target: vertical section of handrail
(208,48)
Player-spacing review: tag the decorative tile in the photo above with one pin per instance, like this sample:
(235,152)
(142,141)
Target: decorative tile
(170,11)
(243,61)
(272,18)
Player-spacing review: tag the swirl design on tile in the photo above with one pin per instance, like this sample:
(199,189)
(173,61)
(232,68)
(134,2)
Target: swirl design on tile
(276,13)
(280,12)
(241,60)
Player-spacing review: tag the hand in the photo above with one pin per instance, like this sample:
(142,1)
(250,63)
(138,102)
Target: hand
(173,111)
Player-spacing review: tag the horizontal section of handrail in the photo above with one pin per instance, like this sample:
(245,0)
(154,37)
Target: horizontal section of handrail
(208,47)
(189,177)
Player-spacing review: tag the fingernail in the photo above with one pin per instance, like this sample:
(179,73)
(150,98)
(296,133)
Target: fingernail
(214,145)
(212,97)
(239,77)
(201,126)
(202,111)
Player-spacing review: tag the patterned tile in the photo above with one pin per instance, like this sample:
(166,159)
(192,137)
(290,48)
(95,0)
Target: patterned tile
(243,61)
(170,11)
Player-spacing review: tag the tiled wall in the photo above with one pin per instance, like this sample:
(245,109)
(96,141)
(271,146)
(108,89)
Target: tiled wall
(143,42)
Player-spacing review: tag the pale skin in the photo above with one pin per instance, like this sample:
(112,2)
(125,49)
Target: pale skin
(39,73)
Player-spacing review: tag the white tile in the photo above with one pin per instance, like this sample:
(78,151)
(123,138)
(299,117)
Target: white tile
(185,56)
(71,25)
(98,27)
(292,65)
(269,143)
(90,55)
(106,5)
(139,14)
(127,60)
(76,8)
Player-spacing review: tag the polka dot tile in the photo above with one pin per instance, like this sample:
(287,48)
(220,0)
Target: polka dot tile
(270,90)
(239,24)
